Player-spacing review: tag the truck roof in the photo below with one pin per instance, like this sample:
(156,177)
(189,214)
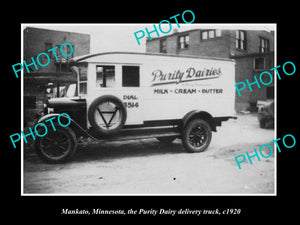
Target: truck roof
(89,56)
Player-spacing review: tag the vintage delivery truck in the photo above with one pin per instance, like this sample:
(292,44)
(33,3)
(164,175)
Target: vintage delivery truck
(126,95)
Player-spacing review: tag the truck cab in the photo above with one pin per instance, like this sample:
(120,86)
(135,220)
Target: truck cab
(126,95)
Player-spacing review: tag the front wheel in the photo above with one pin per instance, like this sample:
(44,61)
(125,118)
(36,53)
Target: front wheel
(56,146)
(196,136)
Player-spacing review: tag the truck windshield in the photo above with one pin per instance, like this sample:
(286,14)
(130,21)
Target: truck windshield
(69,91)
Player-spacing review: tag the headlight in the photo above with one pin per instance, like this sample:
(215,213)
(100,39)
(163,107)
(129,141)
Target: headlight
(50,110)
(47,109)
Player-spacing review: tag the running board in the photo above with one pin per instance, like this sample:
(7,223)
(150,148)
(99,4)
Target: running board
(139,133)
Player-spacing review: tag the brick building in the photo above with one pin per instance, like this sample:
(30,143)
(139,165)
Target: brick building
(37,40)
(52,79)
(253,51)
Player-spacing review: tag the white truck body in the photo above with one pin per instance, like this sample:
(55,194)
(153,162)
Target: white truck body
(169,86)
(129,96)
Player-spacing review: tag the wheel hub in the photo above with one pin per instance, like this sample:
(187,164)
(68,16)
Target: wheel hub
(197,136)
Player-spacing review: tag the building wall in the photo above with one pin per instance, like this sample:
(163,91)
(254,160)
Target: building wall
(197,46)
(153,45)
(244,69)
(172,43)
(253,41)
(38,40)
(208,47)
(223,46)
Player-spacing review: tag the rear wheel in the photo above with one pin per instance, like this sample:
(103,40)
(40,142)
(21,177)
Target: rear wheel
(56,146)
(196,136)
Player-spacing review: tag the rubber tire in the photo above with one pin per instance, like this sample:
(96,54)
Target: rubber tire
(71,148)
(96,103)
(262,123)
(166,140)
(187,130)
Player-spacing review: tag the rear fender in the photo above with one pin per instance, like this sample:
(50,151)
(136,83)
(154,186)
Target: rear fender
(198,114)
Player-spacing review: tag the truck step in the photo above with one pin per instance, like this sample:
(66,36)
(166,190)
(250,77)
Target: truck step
(139,133)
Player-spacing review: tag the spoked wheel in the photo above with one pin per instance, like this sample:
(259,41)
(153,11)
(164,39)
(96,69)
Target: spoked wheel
(56,146)
(196,136)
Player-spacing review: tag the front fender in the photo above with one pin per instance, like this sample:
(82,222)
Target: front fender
(79,131)
(48,116)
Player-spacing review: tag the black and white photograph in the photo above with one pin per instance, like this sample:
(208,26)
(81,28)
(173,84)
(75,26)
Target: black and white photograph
(148,109)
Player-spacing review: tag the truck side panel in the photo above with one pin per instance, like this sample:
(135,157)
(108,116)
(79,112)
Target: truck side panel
(176,87)
(170,86)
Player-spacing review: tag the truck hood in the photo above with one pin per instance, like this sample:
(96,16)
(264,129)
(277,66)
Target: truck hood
(55,102)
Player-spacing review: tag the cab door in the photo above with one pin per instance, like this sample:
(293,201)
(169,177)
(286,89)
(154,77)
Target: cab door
(131,94)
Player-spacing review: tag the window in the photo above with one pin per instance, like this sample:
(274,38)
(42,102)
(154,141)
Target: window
(163,46)
(70,90)
(263,45)
(130,76)
(241,40)
(184,41)
(82,80)
(259,63)
(204,35)
(66,49)
(209,34)
(105,76)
